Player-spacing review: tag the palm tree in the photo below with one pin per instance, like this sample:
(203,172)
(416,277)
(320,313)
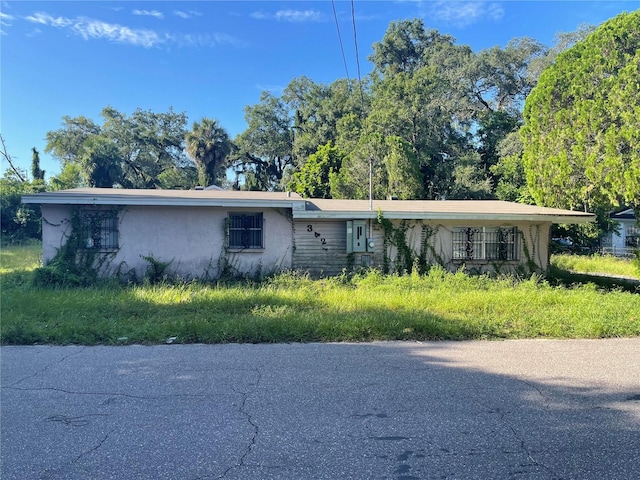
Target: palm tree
(208,144)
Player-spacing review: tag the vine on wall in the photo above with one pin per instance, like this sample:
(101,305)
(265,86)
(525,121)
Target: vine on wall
(406,259)
(73,265)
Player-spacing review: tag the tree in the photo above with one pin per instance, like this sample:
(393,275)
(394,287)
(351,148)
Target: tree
(582,122)
(405,47)
(393,165)
(101,163)
(5,155)
(503,79)
(265,148)
(69,177)
(313,178)
(208,144)
(67,143)
(148,144)
(36,172)
(19,221)
(508,171)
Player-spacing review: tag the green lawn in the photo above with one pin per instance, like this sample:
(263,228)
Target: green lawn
(294,308)
(599,264)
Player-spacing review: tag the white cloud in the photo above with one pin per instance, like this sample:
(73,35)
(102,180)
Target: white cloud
(186,15)
(46,19)
(207,40)
(149,13)
(259,15)
(293,16)
(465,13)
(90,28)
(5,21)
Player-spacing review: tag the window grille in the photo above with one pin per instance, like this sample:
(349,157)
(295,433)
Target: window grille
(99,230)
(485,244)
(632,236)
(245,230)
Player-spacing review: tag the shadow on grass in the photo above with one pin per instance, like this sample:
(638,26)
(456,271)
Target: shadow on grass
(257,318)
(566,278)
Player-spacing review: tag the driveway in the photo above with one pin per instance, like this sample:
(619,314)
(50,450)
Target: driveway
(524,409)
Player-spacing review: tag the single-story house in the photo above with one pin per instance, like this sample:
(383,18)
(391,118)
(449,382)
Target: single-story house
(211,233)
(626,236)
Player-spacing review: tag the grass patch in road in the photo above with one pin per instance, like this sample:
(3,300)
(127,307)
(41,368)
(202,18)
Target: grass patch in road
(295,308)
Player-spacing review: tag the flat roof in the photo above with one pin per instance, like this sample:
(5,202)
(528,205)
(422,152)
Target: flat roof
(158,197)
(439,210)
(495,210)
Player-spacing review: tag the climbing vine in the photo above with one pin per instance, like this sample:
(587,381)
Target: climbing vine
(74,264)
(406,259)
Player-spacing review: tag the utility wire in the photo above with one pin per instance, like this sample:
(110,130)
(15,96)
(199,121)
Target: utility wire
(344,58)
(355,40)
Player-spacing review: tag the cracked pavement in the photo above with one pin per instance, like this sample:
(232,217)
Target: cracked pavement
(521,409)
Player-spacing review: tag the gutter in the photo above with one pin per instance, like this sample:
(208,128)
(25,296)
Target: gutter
(141,200)
(512,217)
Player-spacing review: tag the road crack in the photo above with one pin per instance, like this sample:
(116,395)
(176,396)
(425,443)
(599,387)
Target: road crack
(46,367)
(91,450)
(254,436)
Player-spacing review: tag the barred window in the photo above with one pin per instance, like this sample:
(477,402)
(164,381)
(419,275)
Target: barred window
(99,229)
(632,236)
(485,243)
(245,230)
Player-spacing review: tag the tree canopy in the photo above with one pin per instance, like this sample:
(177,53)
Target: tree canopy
(581,136)
(434,120)
(129,151)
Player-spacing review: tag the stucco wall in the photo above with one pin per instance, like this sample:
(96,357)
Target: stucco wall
(191,238)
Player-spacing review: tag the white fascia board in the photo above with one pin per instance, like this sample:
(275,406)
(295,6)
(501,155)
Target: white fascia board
(76,199)
(505,217)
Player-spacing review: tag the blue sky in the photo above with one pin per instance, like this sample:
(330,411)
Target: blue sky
(212,58)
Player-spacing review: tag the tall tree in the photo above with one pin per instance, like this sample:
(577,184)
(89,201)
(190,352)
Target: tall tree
(265,148)
(36,172)
(405,47)
(390,161)
(101,163)
(209,145)
(148,144)
(582,122)
(312,180)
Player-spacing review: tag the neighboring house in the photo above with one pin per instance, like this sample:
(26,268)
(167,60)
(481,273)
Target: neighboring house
(626,236)
(210,233)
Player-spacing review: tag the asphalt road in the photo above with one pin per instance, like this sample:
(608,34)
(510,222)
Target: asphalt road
(530,409)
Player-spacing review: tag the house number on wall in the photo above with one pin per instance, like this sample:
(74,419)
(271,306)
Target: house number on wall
(323,240)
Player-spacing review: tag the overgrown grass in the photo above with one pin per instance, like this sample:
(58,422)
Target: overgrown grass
(598,264)
(295,308)
(21,257)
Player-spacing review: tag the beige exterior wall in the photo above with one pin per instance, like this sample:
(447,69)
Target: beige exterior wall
(320,246)
(191,238)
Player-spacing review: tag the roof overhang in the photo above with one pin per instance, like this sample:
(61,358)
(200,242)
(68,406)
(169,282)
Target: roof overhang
(447,210)
(399,215)
(167,198)
(325,209)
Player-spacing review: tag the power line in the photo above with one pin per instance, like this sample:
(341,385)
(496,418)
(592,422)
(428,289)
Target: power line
(355,41)
(344,58)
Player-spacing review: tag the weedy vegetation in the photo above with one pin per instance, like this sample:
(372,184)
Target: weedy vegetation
(291,307)
(598,264)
